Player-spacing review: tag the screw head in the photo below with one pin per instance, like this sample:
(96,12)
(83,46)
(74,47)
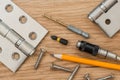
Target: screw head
(52,66)
(43,50)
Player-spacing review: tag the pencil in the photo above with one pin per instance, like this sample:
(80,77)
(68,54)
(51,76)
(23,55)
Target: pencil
(87,61)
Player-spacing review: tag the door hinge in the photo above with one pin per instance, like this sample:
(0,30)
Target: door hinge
(19,35)
(107,16)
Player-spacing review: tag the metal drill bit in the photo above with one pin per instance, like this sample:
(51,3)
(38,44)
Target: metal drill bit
(42,51)
(74,72)
(106,78)
(69,27)
(54,66)
(56,20)
(87,77)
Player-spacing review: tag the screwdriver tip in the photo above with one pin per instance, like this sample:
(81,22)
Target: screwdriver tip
(54,37)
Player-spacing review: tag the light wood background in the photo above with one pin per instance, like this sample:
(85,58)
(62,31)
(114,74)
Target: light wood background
(72,12)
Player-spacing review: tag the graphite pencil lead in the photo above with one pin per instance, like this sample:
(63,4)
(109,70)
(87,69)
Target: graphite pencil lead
(52,55)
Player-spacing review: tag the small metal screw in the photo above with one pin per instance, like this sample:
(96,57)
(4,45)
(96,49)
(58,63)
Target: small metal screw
(106,78)
(42,51)
(54,66)
(74,72)
(87,77)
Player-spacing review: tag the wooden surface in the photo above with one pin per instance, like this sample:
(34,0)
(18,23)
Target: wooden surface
(72,12)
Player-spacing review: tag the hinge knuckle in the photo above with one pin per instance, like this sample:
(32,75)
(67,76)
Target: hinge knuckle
(108,4)
(102,8)
(106,15)
(26,48)
(4,29)
(16,39)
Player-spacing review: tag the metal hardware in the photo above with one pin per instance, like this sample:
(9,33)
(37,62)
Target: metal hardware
(16,35)
(87,77)
(54,66)
(16,39)
(42,52)
(96,50)
(74,72)
(106,15)
(106,78)
(69,27)
(108,54)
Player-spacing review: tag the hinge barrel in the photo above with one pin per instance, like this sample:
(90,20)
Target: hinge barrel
(16,39)
(102,8)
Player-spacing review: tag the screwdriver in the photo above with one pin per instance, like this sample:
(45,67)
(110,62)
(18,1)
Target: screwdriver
(96,50)
(69,27)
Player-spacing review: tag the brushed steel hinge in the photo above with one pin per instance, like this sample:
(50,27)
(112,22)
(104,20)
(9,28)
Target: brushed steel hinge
(107,16)
(19,35)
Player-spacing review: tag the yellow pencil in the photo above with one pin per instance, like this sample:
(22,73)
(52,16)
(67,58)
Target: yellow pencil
(87,61)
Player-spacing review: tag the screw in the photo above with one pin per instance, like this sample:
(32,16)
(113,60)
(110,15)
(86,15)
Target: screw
(54,66)
(105,78)
(74,72)
(87,77)
(42,51)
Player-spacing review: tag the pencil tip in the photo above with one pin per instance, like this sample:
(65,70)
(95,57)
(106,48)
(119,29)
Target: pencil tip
(52,55)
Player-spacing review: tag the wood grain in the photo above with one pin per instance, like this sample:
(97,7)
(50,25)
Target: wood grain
(72,12)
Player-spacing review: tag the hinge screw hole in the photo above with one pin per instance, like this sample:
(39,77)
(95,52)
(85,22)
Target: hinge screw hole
(9,8)
(23,19)
(15,56)
(32,35)
(108,21)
